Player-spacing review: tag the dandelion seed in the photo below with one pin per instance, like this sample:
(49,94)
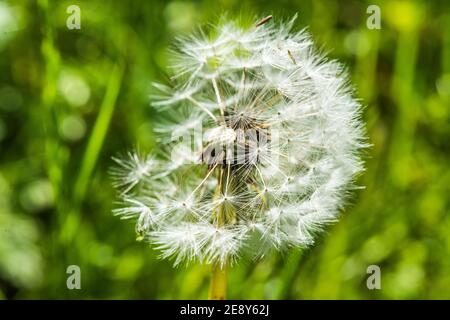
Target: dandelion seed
(132,170)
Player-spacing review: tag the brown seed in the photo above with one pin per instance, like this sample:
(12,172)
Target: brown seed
(292,57)
(264,20)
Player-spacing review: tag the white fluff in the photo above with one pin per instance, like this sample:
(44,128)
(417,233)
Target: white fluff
(267,89)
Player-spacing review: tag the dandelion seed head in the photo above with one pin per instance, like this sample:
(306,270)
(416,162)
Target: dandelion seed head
(279,150)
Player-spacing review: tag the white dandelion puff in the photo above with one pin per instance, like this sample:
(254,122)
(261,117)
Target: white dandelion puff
(280,147)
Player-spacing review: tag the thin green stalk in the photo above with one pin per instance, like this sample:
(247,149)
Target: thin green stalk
(56,154)
(92,152)
(407,103)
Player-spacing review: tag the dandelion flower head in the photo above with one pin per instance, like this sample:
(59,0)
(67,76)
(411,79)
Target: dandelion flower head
(280,144)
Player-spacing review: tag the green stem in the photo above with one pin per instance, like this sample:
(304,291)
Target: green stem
(218,286)
(92,152)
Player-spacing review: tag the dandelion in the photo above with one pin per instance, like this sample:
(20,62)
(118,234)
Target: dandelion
(279,150)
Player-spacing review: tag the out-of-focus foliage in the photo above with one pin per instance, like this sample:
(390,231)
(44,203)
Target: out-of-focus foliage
(71,99)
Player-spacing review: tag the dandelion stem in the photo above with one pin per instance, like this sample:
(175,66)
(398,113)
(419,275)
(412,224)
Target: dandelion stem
(218,286)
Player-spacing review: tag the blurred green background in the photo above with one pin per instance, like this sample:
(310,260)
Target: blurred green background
(71,99)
